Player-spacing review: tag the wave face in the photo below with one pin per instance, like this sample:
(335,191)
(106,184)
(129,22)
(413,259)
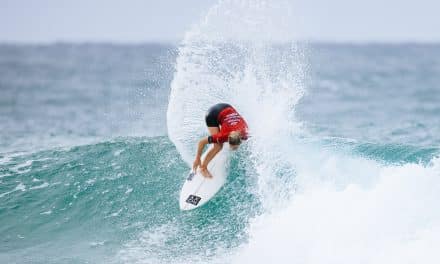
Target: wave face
(113,202)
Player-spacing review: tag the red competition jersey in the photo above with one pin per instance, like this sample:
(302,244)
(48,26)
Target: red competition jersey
(229,120)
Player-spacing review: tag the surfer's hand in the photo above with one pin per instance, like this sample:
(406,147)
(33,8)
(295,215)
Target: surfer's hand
(196,163)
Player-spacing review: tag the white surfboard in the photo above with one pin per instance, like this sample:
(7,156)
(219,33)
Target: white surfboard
(197,190)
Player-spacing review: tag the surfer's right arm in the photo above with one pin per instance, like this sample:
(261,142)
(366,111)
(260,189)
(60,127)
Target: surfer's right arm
(200,147)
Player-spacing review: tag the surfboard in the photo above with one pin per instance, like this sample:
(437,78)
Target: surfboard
(198,190)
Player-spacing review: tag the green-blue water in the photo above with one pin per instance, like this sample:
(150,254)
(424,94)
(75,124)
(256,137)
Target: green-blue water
(90,202)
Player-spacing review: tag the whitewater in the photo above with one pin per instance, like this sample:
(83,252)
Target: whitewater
(319,205)
(342,165)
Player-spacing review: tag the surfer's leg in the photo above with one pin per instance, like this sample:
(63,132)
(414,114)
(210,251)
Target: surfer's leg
(209,156)
(213,125)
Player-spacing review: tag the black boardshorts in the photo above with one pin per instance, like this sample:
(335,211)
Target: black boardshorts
(211,117)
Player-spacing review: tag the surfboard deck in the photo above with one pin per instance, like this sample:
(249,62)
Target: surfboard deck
(198,190)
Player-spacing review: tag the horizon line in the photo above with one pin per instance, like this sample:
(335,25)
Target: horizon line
(177,43)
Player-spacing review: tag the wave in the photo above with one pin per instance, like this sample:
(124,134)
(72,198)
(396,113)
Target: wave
(114,202)
(121,197)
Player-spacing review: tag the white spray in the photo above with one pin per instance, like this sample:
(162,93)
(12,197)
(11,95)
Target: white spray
(243,53)
(346,209)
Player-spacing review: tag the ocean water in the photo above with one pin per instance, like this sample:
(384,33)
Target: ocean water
(342,167)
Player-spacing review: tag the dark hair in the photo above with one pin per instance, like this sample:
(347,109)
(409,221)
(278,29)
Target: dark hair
(234,138)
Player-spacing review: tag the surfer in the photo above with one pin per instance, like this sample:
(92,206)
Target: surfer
(225,124)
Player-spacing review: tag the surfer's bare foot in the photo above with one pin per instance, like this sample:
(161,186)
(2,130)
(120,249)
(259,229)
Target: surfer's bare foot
(205,173)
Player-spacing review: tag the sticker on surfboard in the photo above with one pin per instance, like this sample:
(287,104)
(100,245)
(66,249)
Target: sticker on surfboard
(193,199)
(190,176)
